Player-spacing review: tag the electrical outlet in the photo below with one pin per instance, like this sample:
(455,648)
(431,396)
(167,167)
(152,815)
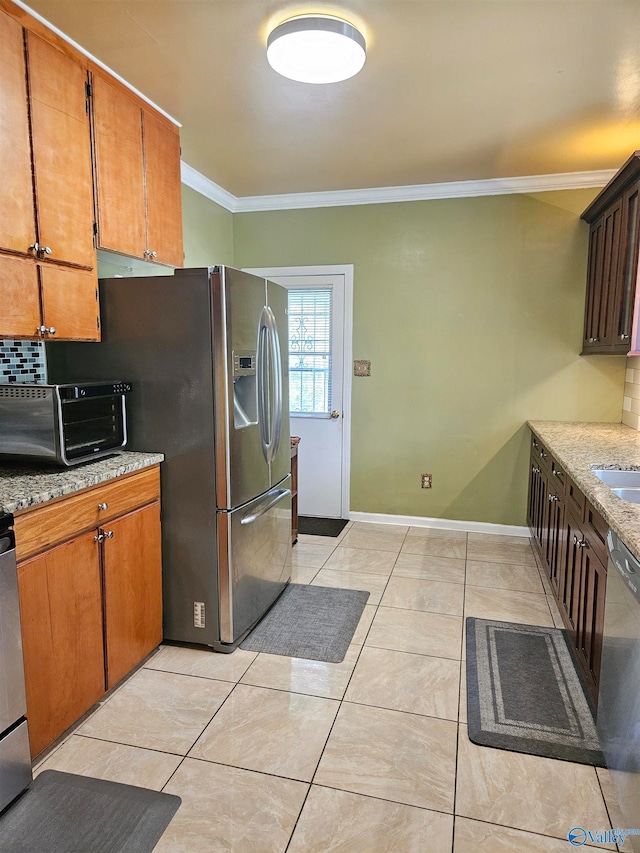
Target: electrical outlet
(427,481)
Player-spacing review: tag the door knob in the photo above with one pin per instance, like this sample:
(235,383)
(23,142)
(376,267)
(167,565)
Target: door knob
(335,414)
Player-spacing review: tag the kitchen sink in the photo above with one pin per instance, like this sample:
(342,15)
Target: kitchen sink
(619,480)
(632,495)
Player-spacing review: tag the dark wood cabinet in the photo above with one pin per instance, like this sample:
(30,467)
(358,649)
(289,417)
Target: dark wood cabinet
(569,536)
(614,242)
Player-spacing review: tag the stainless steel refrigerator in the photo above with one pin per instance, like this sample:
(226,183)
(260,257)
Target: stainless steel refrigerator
(206,352)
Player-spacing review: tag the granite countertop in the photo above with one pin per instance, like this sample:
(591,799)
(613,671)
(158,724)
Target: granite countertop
(26,485)
(581,447)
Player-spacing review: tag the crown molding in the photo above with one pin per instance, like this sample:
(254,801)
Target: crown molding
(385,195)
(190,177)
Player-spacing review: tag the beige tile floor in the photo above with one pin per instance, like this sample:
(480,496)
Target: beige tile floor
(272,754)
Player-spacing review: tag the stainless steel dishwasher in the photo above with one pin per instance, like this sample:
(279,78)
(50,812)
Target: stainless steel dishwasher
(619,695)
(15,758)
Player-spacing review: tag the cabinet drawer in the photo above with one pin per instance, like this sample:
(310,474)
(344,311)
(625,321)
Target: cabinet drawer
(574,499)
(558,478)
(539,451)
(46,525)
(595,530)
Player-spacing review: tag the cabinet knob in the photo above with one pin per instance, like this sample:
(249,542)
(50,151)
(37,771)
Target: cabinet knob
(45,330)
(44,250)
(593,340)
(535,470)
(99,538)
(579,543)
(147,253)
(153,254)
(103,505)
(34,247)
(624,337)
(553,498)
(108,534)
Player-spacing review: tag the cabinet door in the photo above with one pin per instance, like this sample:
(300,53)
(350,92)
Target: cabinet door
(556,540)
(19,297)
(61,612)
(132,589)
(119,169)
(70,303)
(17,220)
(164,196)
(61,153)
(602,319)
(590,624)
(569,587)
(623,308)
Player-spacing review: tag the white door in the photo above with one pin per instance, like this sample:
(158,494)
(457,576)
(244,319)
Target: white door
(319,384)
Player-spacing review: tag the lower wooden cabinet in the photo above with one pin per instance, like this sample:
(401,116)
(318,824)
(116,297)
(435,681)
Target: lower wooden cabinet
(132,589)
(62,636)
(91,606)
(568,534)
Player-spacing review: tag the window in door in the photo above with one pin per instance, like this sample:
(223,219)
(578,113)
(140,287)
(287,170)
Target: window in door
(310,351)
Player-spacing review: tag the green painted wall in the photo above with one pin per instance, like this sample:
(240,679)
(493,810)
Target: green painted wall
(208,231)
(471,312)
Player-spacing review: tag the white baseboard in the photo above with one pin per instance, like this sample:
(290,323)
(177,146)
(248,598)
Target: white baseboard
(441,523)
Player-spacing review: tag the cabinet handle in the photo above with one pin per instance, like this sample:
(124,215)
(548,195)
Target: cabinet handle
(103,506)
(553,498)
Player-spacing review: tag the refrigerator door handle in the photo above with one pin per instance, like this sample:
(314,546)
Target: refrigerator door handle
(278,495)
(276,424)
(263,387)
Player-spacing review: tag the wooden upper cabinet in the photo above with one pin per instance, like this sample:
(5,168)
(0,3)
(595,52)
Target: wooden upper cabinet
(61,155)
(614,244)
(119,169)
(69,303)
(164,194)
(19,297)
(137,176)
(17,219)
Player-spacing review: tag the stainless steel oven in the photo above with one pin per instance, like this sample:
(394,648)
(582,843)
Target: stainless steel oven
(15,758)
(63,424)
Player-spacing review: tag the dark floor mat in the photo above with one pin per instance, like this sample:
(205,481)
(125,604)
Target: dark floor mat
(309,525)
(313,622)
(524,693)
(65,813)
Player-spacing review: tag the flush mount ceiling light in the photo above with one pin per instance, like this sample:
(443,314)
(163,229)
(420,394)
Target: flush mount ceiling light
(316,49)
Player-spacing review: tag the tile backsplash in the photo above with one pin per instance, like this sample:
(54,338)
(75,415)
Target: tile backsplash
(631,400)
(22,361)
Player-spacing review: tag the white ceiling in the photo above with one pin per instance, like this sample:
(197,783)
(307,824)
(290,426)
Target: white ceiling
(452,90)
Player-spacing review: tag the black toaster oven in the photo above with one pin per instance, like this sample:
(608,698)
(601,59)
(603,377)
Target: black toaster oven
(63,424)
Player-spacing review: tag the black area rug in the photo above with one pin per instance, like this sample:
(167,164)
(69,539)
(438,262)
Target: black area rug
(311,526)
(65,813)
(313,622)
(524,693)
